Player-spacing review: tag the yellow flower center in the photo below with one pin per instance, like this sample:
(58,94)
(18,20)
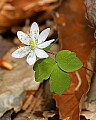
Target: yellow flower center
(32,44)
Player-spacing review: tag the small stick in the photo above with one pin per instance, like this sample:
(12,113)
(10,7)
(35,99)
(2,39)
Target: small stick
(6,64)
(27,102)
(79,81)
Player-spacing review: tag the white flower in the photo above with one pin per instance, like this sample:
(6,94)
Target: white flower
(35,43)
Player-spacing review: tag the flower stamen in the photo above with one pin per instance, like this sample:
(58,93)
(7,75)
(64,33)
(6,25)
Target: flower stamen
(32,44)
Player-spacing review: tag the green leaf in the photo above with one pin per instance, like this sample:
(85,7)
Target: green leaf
(36,68)
(59,80)
(68,61)
(43,68)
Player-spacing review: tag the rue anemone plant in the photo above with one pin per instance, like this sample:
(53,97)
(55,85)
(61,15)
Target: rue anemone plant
(55,69)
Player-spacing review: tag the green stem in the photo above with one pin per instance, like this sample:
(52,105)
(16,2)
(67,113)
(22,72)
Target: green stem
(89,70)
(50,52)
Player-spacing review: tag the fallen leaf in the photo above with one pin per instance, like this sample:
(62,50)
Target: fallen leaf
(89,115)
(75,35)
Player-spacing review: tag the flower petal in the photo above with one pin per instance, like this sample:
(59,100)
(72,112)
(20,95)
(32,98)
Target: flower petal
(40,53)
(34,30)
(31,58)
(21,52)
(45,44)
(24,38)
(43,35)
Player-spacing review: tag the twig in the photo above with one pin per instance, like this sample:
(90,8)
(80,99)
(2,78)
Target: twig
(6,64)
(79,81)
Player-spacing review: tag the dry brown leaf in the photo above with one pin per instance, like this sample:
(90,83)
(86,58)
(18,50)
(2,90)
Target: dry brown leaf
(75,35)
(13,12)
(91,11)
(89,115)
(15,83)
